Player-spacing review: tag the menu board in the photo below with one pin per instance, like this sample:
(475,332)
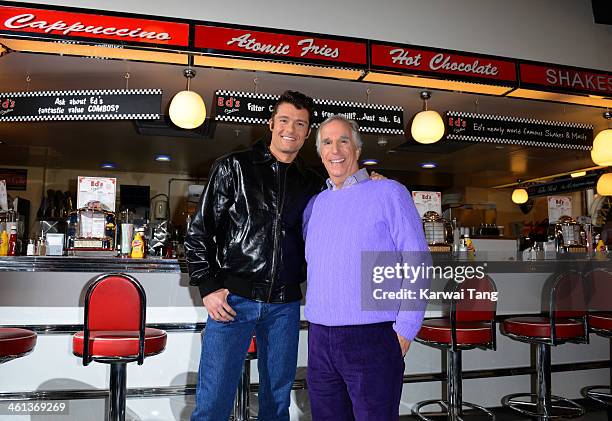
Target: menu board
(104,104)
(487,128)
(559,206)
(93,190)
(251,108)
(426,201)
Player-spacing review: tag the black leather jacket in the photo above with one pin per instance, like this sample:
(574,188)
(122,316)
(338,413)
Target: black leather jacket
(247,234)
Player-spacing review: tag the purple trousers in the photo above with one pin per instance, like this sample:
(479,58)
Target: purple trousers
(355,373)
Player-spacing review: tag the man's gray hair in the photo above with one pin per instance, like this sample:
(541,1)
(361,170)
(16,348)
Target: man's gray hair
(354,131)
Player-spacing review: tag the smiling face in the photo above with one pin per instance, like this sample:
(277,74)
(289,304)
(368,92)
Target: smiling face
(339,153)
(290,128)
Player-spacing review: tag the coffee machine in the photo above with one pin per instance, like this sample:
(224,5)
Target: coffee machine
(438,233)
(569,235)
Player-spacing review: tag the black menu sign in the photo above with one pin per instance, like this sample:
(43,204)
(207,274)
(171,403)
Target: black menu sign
(567,185)
(518,131)
(251,108)
(109,104)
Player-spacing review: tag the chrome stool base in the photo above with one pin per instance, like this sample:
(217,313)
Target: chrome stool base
(457,416)
(558,408)
(601,394)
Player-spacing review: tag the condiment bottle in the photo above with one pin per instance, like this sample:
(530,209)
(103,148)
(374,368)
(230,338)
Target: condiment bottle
(137,246)
(12,242)
(4,240)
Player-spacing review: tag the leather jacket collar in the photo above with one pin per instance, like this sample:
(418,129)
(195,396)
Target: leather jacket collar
(262,155)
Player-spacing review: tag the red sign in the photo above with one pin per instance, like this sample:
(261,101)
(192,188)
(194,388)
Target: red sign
(82,25)
(566,78)
(415,60)
(269,44)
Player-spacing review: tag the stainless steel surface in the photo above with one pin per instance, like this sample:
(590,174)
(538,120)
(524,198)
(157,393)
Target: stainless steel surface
(89,264)
(241,405)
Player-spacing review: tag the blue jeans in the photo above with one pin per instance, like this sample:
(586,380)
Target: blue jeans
(224,348)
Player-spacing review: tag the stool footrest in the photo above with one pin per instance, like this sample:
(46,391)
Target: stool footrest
(601,394)
(559,407)
(458,416)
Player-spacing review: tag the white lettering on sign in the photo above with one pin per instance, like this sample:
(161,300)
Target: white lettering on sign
(245,41)
(444,62)
(309,47)
(28,20)
(578,80)
(401,56)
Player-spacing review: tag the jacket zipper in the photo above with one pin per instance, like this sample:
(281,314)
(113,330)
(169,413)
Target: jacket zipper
(277,220)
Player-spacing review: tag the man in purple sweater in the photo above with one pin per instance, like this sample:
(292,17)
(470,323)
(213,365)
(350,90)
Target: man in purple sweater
(355,357)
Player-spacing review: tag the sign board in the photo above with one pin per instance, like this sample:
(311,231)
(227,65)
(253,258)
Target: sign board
(54,24)
(567,185)
(518,131)
(251,108)
(16,178)
(441,63)
(426,201)
(97,189)
(108,104)
(559,206)
(565,79)
(280,45)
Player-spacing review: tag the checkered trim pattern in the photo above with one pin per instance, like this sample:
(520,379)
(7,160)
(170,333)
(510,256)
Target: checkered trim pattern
(247,120)
(52,117)
(519,120)
(84,92)
(519,142)
(248,95)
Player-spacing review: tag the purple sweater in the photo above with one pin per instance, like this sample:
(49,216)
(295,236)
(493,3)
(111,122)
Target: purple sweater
(338,226)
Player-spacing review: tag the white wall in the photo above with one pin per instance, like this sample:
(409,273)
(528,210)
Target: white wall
(554,31)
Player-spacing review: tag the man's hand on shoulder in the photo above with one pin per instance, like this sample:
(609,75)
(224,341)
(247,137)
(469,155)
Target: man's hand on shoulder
(375,176)
(217,307)
(404,344)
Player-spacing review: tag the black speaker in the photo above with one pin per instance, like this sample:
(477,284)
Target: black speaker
(602,11)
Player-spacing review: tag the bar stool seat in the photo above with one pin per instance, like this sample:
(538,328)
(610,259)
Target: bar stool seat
(470,325)
(114,333)
(563,322)
(108,343)
(468,333)
(15,343)
(539,327)
(600,321)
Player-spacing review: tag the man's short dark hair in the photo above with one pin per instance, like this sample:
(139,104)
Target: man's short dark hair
(298,100)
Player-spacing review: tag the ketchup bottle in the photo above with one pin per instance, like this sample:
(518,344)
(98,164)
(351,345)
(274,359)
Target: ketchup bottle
(12,243)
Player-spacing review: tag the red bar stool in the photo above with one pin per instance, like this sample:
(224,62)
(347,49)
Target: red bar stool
(565,321)
(114,332)
(599,320)
(15,343)
(471,325)
(241,405)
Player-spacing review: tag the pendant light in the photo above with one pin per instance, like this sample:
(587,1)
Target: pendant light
(602,145)
(187,109)
(519,196)
(604,185)
(427,126)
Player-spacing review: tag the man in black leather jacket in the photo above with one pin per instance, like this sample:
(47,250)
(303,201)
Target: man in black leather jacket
(245,252)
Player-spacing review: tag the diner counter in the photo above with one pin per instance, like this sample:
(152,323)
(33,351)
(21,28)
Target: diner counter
(46,294)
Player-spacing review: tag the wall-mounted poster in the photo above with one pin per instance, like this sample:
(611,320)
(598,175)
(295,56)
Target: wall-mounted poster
(559,206)
(426,201)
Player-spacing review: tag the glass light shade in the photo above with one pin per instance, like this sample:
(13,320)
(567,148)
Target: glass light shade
(187,110)
(604,185)
(519,196)
(602,148)
(427,127)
